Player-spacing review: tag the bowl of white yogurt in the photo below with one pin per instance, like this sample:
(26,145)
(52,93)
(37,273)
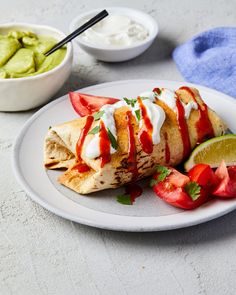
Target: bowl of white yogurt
(124,34)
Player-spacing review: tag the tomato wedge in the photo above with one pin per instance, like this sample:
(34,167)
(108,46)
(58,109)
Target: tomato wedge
(86,104)
(177,197)
(178,190)
(197,187)
(204,176)
(227,186)
(178,179)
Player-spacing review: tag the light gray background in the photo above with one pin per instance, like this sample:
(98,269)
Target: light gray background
(41,253)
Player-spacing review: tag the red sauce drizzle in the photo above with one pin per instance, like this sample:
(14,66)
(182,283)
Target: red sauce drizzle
(132,161)
(104,143)
(79,145)
(157,90)
(134,190)
(183,127)
(145,134)
(81,168)
(83,134)
(167,148)
(204,126)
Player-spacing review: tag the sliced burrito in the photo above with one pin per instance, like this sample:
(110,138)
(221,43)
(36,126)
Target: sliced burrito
(123,142)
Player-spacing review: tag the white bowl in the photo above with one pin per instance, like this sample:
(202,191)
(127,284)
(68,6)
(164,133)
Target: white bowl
(18,94)
(119,53)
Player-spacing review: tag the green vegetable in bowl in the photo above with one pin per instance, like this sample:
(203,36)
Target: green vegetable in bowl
(22,54)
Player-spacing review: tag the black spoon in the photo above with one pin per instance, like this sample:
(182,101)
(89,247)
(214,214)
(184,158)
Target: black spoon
(78,31)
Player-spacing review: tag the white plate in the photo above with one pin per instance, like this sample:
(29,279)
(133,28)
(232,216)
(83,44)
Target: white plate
(101,209)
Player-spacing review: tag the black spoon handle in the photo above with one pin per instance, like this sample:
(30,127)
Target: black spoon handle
(78,31)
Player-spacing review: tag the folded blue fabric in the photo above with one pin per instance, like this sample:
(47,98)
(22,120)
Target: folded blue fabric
(210,59)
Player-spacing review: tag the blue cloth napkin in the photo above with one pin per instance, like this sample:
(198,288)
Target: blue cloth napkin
(210,59)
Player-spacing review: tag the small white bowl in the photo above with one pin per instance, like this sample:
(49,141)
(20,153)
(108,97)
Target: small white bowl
(18,94)
(117,54)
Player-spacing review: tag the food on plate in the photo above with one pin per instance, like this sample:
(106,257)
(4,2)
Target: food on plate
(86,104)
(116,30)
(178,189)
(199,185)
(213,151)
(123,142)
(226,187)
(132,192)
(204,176)
(22,54)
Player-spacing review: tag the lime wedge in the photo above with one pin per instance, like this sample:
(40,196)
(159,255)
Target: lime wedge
(213,151)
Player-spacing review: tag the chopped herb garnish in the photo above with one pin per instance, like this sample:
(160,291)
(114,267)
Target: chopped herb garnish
(130,101)
(124,199)
(126,100)
(95,130)
(98,115)
(153,182)
(138,115)
(113,141)
(50,127)
(163,172)
(193,189)
(144,97)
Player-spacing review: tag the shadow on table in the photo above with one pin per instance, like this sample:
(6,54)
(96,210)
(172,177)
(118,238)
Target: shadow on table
(218,229)
(160,50)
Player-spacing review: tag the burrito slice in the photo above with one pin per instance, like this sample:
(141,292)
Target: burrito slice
(124,142)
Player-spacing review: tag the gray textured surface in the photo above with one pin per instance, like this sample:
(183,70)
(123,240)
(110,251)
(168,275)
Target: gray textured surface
(41,253)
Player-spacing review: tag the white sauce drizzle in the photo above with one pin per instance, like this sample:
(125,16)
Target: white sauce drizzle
(148,94)
(169,97)
(157,117)
(92,150)
(188,108)
(155,113)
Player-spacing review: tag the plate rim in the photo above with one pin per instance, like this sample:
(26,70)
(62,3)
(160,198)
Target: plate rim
(86,221)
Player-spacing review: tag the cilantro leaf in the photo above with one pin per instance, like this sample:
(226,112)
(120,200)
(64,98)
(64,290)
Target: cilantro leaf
(98,115)
(130,101)
(113,141)
(133,101)
(138,115)
(153,182)
(124,199)
(126,100)
(95,130)
(193,189)
(163,172)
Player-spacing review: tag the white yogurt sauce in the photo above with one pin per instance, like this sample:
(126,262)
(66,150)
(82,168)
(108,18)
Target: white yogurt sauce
(155,113)
(116,30)
(169,98)
(157,117)
(148,94)
(93,148)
